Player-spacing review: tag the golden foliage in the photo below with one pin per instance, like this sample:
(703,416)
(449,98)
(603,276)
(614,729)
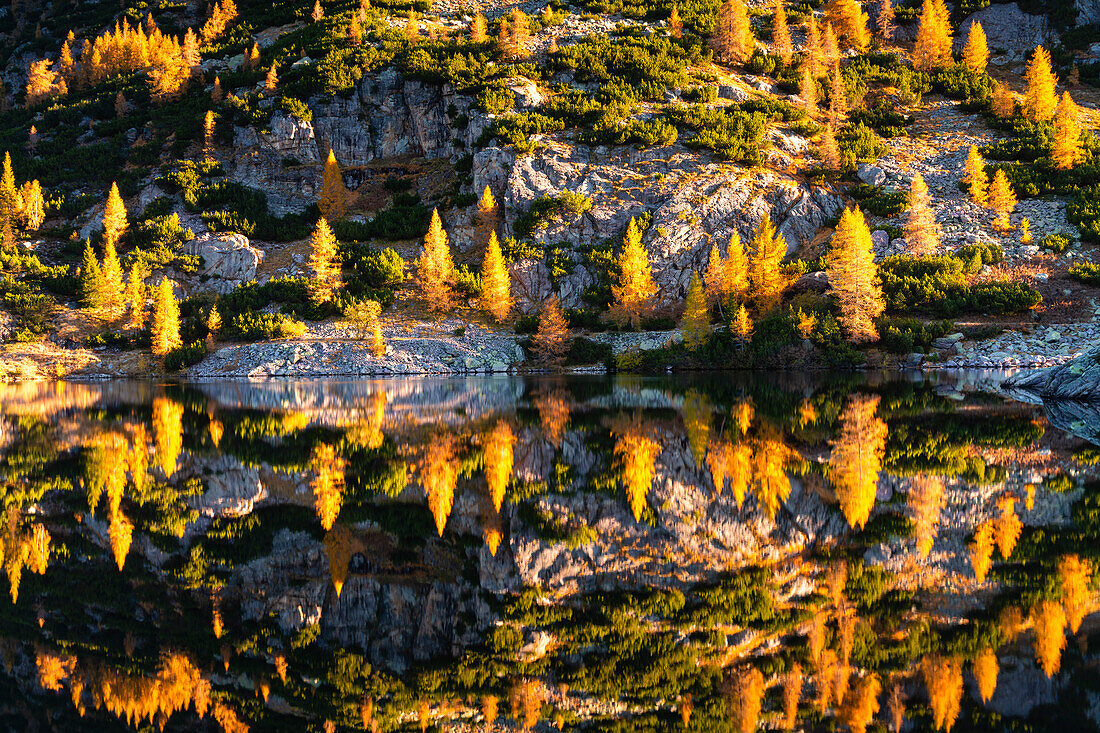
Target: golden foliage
(324,263)
(1004,104)
(1048,621)
(853,277)
(933,45)
(922,233)
(732,41)
(525,698)
(770,455)
(695,324)
(781,34)
(816,637)
(1040,96)
(735,270)
(167,433)
(943,679)
(976,50)
(925,500)
(496,283)
(338,549)
(1002,199)
(43,83)
(975,178)
(895,707)
(824,679)
(489,707)
(1068,148)
(635,289)
(53,669)
(1011,623)
(498,444)
(551,340)
(792,693)
(985,670)
(850,23)
(435,267)
(696,412)
(438,472)
(856,458)
(861,704)
(134,296)
(1075,576)
(676,27)
(221,16)
(121,533)
(767,280)
(327,483)
(981,550)
(333,200)
(166,319)
(637,453)
(1008,526)
(743,690)
(553,407)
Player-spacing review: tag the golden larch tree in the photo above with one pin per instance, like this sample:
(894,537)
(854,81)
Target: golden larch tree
(850,23)
(838,100)
(861,704)
(944,682)
(675,25)
(985,670)
(635,290)
(813,56)
(922,233)
(324,263)
(496,283)
(695,324)
(135,296)
(9,194)
(110,281)
(770,482)
(479,29)
(327,483)
(1048,621)
(338,550)
(853,277)
(271,81)
(1002,199)
(765,276)
(975,178)
(825,679)
(976,50)
(488,217)
(551,339)
(830,48)
(735,270)
(828,149)
(981,550)
(933,45)
(792,693)
(925,501)
(435,267)
(714,277)
(781,34)
(743,690)
(1004,103)
(1068,148)
(438,471)
(807,90)
(637,455)
(1075,575)
(1011,623)
(732,42)
(742,326)
(1040,97)
(34,205)
(1007,526)
(856,458)
(166,319)
(43,83)
(333,201)
(114,216)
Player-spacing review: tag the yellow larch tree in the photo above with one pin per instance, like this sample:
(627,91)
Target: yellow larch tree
(551,339)
(781,34)
(114,216)
(743,690)
(324,263)
(765,277)
(830,49)
(1048,621)
(925,501)
(1040,97)
(1007,527)
(438,471)
(271,81)
(635,290)
(488,217)
(732,42)
(807,90)
(695,324)
(34,205)
(553,407)
(496,283)
(975,178)
(1004,104)
(333,200)
(327,483)
(637,454)
(1075,576)
(134,296)
(435,268)
(976,50)
(861,704)
(110,281)
(828,150)
(792,693)
(479,29)
(498,444)
(985,670)
(1068,149)
(675,25)
(856,458)
(770,482)
(813,56)
(1002,199)
(944,682)
(933,45)
(742,326)
(853,277)
(850,23)
(43,83)
(9,194)
(838,99)
(922,233)
(735,270)
(981,550)
(166,319)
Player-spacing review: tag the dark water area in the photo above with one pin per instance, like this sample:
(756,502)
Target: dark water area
(725,552)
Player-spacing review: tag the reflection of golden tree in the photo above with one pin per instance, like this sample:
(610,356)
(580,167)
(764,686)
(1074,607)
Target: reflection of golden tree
(553,408)
(816,637)
(489,707)
(717,464)
(792,692)
(328,483)
(943,678)
(824,677)
(526,698)
(121,532)
(743,690)
(53,669)
(367,433)
(338,545)
(924,501)
(861,704)
(1011,623)
(1008,526)
(895,707)
(846,621)
(492,530)
(1075,575)
(498,443)
(743,414)
(439,476)
(1049,624)
(637,453)
(985,673)
(857,458)
(769,476)
(836,577)
(696,412)
(981,550)
(167,432)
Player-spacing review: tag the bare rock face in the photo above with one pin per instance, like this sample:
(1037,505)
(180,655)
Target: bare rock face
(1010,28)
(228,259)
(1088,11)
(231,489)
(530,284)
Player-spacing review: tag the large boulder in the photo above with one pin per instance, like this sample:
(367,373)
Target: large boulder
(228,259)
(1078,379)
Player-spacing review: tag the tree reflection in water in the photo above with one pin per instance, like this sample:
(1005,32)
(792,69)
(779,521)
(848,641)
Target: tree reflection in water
(723,553)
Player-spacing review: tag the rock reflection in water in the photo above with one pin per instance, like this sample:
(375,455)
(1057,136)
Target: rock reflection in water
(652,553)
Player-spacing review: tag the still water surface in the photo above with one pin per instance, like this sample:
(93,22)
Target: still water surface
(717,553)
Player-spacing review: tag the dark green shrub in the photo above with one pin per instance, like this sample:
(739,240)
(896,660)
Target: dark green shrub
(584,351)
(906,335)
(859,144)
(250,326)
(1056,242)
(184,356)
(731,134)
(1086,272)
(549,209)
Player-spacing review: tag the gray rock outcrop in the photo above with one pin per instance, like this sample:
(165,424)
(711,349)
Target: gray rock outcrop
(1078,379)
(1009,28)
(228,259)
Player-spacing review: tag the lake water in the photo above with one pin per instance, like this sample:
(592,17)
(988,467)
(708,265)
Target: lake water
(608,553)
